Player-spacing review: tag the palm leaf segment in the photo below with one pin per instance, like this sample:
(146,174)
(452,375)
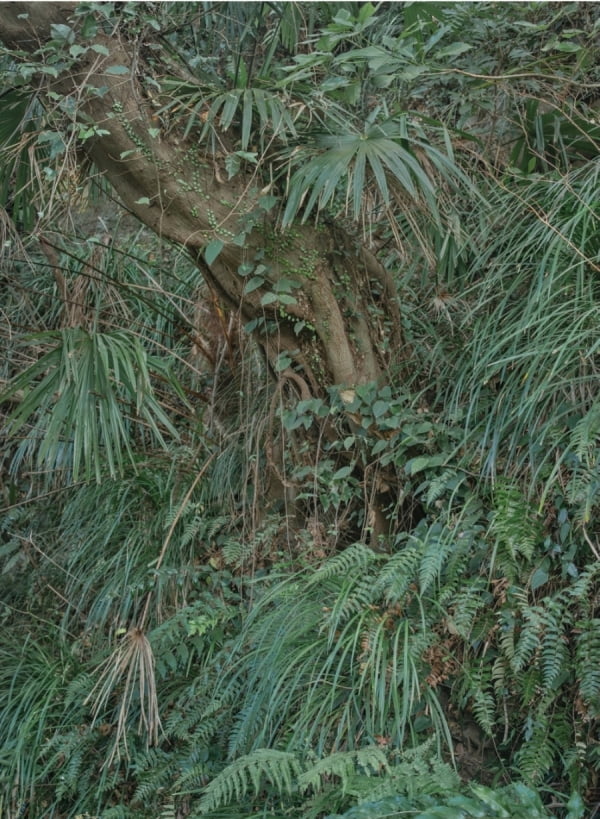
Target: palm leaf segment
(89,392)
(337,169)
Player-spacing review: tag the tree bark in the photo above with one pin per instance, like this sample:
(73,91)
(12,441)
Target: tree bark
(180,192)
(326,302)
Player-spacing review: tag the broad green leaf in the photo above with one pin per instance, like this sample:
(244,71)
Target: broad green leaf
(422,462)
(212,250)
(253,284)
(342,472)
(269,298)
(380,408)
(60,31)
(453,50)
(77,50)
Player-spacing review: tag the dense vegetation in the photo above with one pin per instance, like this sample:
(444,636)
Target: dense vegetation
(301,464)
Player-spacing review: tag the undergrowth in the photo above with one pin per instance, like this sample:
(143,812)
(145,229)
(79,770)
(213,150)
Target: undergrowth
(225,592)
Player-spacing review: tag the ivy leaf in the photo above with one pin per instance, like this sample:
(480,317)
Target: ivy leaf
(269,298)
(380,408)
(539,578)
(117,69)
(212,250)
(283,362)
(89,29)
(267,202)
(254,283)
(77,50)
(343,472)
(62,32)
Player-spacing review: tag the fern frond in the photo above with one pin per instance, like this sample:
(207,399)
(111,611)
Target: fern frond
(249,721)
(420,770)
(536,755)
(433,557)
(465,606)
(156,769)
(354,596)
(440,483)
(248,774)
(478,688)
(530,638)
(555,653)
(587,664)
(168,811)
(398,573)
(585,435)
(514,524)
(343,765)
(584,587)
(583,490)
(355,559)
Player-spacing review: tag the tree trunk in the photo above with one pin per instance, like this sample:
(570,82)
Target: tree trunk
(323,309)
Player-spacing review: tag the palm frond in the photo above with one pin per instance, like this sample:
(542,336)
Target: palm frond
(336,170)
(83,401)
(129,668)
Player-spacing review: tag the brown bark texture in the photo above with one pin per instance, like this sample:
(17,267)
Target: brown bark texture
(342,313)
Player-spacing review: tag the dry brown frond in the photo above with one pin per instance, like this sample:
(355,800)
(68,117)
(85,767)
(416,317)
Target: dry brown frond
(130,666)
(132,663)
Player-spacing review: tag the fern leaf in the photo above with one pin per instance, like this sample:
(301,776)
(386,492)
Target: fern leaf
(514,524)
(355,558)
(465,605)
(478,684)
(554,653)
(535,757)
(432,560)
(246,775)
(587,658)
(583,491)
(398,573)
(343,765)
(585,435)
(439,485)
(530,638)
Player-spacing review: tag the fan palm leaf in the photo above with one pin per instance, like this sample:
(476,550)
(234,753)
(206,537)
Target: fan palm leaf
(336,170)
(83,399)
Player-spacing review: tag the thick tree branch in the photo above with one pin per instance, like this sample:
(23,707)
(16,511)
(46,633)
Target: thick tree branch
(177,189)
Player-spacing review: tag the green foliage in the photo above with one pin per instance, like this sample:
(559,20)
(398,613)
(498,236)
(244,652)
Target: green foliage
(360,159)
(338,778)
(87,389)
(334,599)
(516,530)
(519,377)
(511,801)
(33,686)
(18,119)
(278,768)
